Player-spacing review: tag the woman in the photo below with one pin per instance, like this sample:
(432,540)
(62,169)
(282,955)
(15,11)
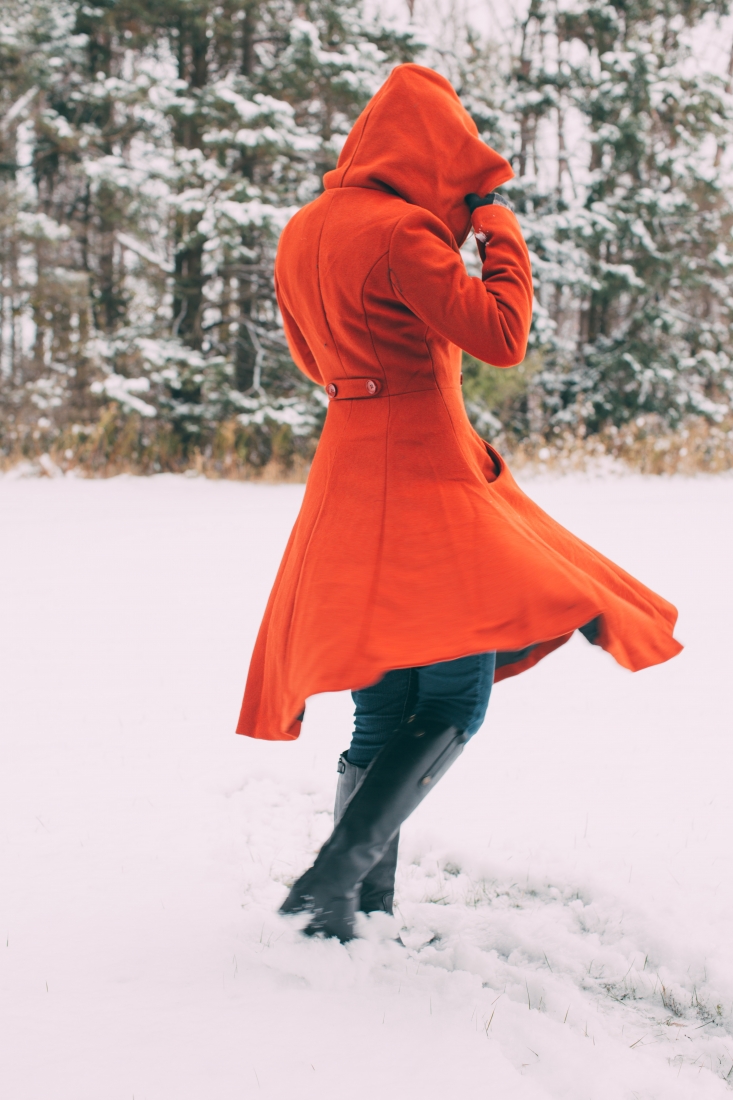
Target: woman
(417,573)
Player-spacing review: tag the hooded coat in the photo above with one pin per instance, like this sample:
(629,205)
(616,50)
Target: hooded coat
(414,544)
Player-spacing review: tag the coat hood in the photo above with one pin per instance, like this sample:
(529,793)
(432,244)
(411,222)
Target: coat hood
(416,140)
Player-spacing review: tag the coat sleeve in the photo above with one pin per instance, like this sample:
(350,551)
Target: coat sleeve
(302,355)
(487,317)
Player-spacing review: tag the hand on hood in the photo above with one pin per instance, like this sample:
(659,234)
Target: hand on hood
(474,201)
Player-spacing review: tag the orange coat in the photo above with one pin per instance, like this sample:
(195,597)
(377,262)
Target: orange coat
(414,543)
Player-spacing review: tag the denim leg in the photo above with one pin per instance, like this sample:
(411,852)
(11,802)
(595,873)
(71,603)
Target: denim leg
(457,692)
(380,711)
(454,692)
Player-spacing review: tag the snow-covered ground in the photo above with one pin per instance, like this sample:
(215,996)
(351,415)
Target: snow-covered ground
(565,896)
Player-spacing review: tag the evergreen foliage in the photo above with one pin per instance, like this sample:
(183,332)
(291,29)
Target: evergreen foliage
(163,147)
(150,154)
(616,136)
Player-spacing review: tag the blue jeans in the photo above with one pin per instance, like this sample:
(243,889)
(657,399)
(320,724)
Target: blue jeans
(454,692)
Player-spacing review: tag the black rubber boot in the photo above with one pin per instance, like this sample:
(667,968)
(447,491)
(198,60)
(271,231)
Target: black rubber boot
(377,889)
(395,783)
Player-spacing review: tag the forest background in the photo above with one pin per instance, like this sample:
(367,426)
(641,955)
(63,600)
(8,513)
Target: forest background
(151,153)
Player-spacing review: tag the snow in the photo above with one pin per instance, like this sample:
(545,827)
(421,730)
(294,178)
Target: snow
(123,389)
(565,896)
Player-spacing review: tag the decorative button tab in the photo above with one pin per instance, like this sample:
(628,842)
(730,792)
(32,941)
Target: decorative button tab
(371,386)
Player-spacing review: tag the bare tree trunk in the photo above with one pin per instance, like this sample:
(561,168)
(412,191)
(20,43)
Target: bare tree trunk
(189,279)
(720,149)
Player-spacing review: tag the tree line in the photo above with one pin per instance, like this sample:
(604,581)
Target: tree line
(151,153)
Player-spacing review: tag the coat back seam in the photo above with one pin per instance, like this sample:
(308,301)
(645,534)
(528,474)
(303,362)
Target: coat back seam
(320,291)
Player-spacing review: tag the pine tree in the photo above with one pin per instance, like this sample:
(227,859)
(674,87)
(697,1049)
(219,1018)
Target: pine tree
(150,154)
(170,143)
(614,136)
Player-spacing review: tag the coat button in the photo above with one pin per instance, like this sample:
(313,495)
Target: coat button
(331,389)
(371,386)
(460,379)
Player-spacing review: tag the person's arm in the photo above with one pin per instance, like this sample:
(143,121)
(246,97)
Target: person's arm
(487,317)
(301,353)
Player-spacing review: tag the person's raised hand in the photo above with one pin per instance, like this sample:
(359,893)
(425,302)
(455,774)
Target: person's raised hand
(474,201)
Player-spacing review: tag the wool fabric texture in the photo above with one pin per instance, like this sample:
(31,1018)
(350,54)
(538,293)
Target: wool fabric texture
(414,544)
